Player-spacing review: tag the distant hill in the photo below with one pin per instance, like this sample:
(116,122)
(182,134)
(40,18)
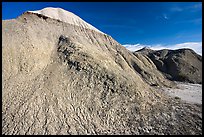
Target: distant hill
(180,65)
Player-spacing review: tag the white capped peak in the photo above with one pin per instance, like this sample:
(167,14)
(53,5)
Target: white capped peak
(65,16)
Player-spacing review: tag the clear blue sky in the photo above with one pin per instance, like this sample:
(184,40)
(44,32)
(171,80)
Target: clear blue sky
(130,22)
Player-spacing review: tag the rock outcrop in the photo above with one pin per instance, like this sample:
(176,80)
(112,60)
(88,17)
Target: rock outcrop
(180,65)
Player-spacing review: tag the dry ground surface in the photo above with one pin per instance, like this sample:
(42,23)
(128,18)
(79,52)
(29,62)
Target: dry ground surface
(59,78)
(191,93)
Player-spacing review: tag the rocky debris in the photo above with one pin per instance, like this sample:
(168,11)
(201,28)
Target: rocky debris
(59,78)
(167,118)
(180,65)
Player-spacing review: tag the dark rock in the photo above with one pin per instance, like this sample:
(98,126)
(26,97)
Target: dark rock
(181,65)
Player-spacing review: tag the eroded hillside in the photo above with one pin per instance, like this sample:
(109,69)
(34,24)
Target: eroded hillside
(60,78)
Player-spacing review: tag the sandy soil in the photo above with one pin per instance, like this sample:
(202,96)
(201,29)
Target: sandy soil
(61,79)
(65,16)
(191,93)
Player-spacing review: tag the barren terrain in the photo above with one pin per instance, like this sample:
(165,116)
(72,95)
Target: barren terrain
(60,78)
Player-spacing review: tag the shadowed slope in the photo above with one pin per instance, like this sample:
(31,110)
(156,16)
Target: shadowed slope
(181,64)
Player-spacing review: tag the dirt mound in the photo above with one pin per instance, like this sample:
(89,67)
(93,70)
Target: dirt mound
(64,16)
(60,78)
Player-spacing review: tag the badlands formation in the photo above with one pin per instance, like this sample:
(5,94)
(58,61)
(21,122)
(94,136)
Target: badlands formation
(61,75)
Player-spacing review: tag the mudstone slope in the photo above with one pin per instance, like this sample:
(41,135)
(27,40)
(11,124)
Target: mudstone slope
(181,65)
(61,78)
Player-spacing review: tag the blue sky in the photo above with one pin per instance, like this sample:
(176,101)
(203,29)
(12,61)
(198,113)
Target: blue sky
(145,23)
